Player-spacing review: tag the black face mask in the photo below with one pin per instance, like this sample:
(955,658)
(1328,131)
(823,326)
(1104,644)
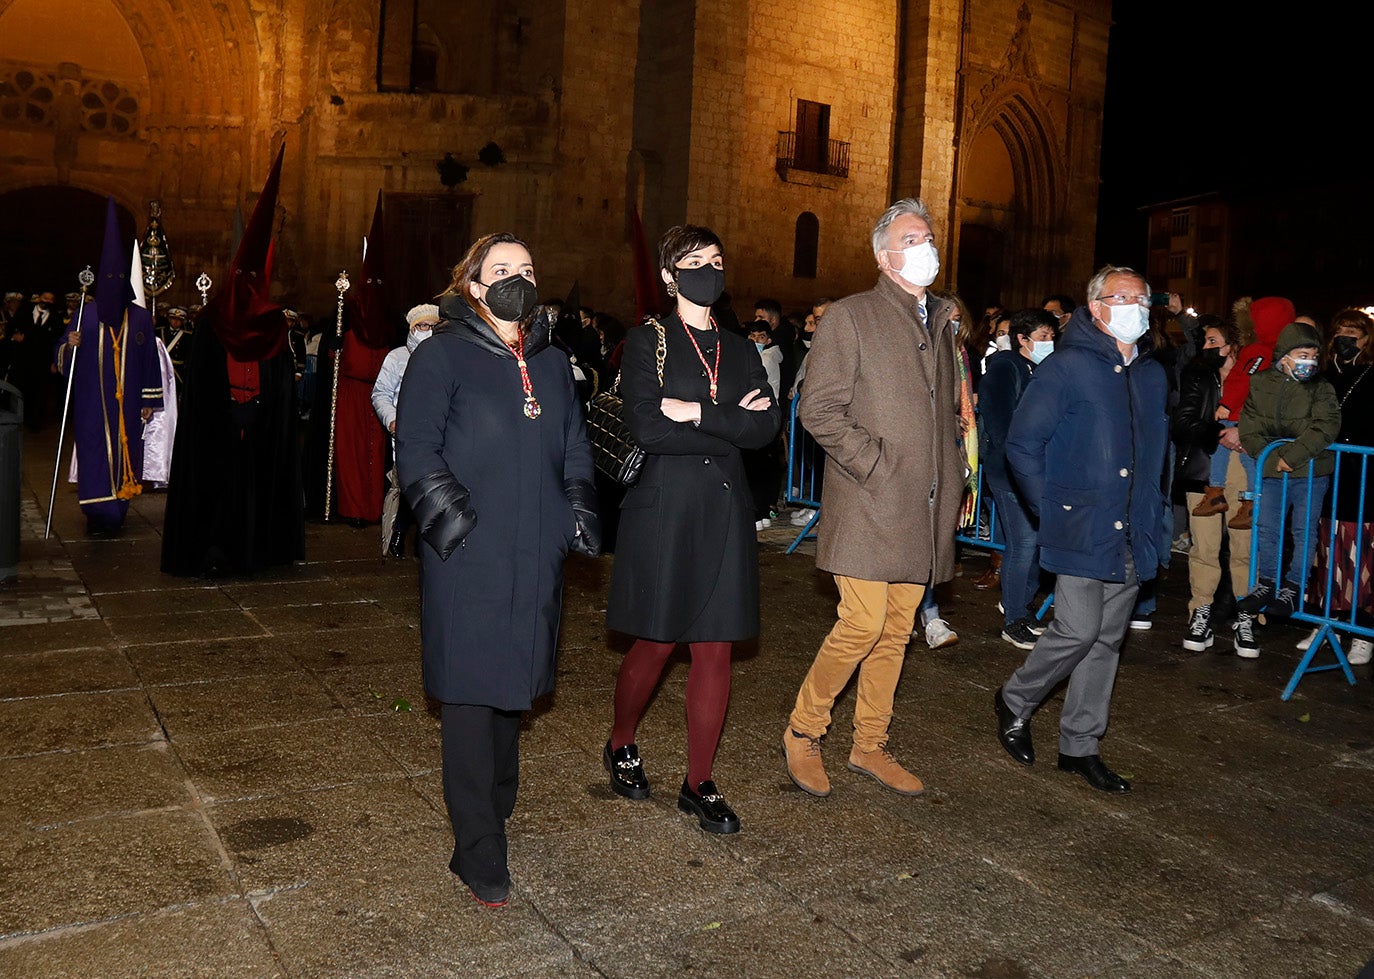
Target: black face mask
(1346,348)
(512,298)
(702,285)
(1211,358)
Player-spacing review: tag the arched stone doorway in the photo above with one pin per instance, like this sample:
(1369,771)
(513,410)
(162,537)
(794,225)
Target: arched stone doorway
(53,233)
(1009,183)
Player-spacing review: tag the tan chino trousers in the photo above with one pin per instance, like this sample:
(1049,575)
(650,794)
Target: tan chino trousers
(1204,557)
(874,627)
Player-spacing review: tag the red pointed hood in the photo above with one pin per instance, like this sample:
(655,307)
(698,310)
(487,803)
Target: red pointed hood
(1270,315)
(247,322)
(369,301)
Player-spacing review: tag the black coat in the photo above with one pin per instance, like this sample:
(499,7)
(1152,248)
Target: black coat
(1354,385)
(1194,427)
(490,612)
(686,561)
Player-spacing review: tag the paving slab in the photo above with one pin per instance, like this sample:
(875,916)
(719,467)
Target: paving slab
(86,872)
(68,722)
(66,786)
(227,941)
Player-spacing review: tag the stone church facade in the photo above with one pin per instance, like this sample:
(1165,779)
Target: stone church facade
(786,126)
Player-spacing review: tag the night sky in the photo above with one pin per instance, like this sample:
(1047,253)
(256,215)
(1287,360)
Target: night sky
(1200,98)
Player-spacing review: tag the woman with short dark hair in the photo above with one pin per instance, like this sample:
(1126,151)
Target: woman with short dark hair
(686,564)
(492,455)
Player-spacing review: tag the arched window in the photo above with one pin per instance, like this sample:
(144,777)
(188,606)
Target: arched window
(804,246)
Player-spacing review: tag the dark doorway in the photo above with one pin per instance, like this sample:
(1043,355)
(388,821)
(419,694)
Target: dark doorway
(426,235)
(980,266)
(52,233)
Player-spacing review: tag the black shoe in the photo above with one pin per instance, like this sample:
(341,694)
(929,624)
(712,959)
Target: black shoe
(1256,602)
(1143,621)
(1200,636)
(1013,732)
(626,771)
(492,887)
(712,811)
(1285,601)
(397,545)
(1098,775)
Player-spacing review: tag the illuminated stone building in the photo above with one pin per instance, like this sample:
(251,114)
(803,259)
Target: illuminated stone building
(787,126)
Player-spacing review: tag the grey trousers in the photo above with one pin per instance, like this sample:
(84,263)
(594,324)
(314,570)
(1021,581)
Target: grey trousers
(1082,643)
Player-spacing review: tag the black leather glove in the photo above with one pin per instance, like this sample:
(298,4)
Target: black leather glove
(443,510)
(582,495)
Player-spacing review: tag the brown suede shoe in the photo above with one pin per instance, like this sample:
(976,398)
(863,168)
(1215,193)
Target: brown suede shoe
(804,765)
(1213,502)
(1241,521)
(880,764)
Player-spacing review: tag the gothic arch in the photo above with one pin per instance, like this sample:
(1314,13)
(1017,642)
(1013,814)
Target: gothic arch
(1013,112)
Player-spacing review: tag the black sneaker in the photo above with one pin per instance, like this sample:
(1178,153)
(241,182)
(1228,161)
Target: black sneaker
(1255,602)
(1036,626)
(1199,638)
(1284,602)
(1019,634)
(1143,621)
(1243,636)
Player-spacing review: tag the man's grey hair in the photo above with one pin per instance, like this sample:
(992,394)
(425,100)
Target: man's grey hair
(1099,280)
(907,205)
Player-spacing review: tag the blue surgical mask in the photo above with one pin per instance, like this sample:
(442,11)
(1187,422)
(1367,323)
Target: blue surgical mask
(1040,349)
(760,345)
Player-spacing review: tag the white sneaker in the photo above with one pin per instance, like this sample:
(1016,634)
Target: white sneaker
(1361,651)
(939,634)
(802,517)
(1305,643)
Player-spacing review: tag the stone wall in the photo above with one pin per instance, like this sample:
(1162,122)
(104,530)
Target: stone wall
(673,107)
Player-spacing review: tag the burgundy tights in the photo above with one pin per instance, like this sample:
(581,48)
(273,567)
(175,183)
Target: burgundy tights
(708,694)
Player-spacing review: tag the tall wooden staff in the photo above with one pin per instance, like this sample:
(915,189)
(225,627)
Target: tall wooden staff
(341,283)
(86,278)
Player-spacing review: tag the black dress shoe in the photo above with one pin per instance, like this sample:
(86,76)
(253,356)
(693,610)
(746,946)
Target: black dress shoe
(1099,776)
(626,771)
(489,884)
(1014,732)
(712,811)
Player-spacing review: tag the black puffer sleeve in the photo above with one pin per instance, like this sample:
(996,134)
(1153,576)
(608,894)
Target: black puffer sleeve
(443,510)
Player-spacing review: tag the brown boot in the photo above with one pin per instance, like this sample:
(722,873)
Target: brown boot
(1241,521)
(1213,502)
(992,577)
(804,764)
(882,766)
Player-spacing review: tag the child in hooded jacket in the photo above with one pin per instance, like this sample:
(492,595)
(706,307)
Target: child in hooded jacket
(1289,401)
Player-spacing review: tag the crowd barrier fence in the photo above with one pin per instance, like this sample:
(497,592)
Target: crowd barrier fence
(1322,528)
(805,469)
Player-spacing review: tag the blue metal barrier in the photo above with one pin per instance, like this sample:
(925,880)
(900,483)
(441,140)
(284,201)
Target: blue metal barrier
(805,469)
(1360,555)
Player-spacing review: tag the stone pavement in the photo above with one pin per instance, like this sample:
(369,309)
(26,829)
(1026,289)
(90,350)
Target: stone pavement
(241,778)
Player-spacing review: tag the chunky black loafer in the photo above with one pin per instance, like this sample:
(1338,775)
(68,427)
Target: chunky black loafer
(712,811)
(626,771)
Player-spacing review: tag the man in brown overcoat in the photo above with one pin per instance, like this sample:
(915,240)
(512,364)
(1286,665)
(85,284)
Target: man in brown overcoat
(882,398)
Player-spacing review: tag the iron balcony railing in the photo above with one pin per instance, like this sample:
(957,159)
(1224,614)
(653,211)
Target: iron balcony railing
(829,156)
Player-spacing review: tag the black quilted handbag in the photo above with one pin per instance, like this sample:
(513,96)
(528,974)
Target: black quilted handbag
(614,452)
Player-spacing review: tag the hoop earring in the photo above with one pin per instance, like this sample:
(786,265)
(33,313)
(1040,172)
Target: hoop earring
(672,289)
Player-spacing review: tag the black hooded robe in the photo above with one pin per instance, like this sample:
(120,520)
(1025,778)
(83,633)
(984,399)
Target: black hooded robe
(234,500)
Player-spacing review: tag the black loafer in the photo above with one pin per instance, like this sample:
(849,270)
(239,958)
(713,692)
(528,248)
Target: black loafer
(1014,732)
(489,885)
(626,771)
(1098,775)
(712,811)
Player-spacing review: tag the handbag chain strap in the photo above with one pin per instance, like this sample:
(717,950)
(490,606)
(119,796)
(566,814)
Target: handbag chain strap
(660,354)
